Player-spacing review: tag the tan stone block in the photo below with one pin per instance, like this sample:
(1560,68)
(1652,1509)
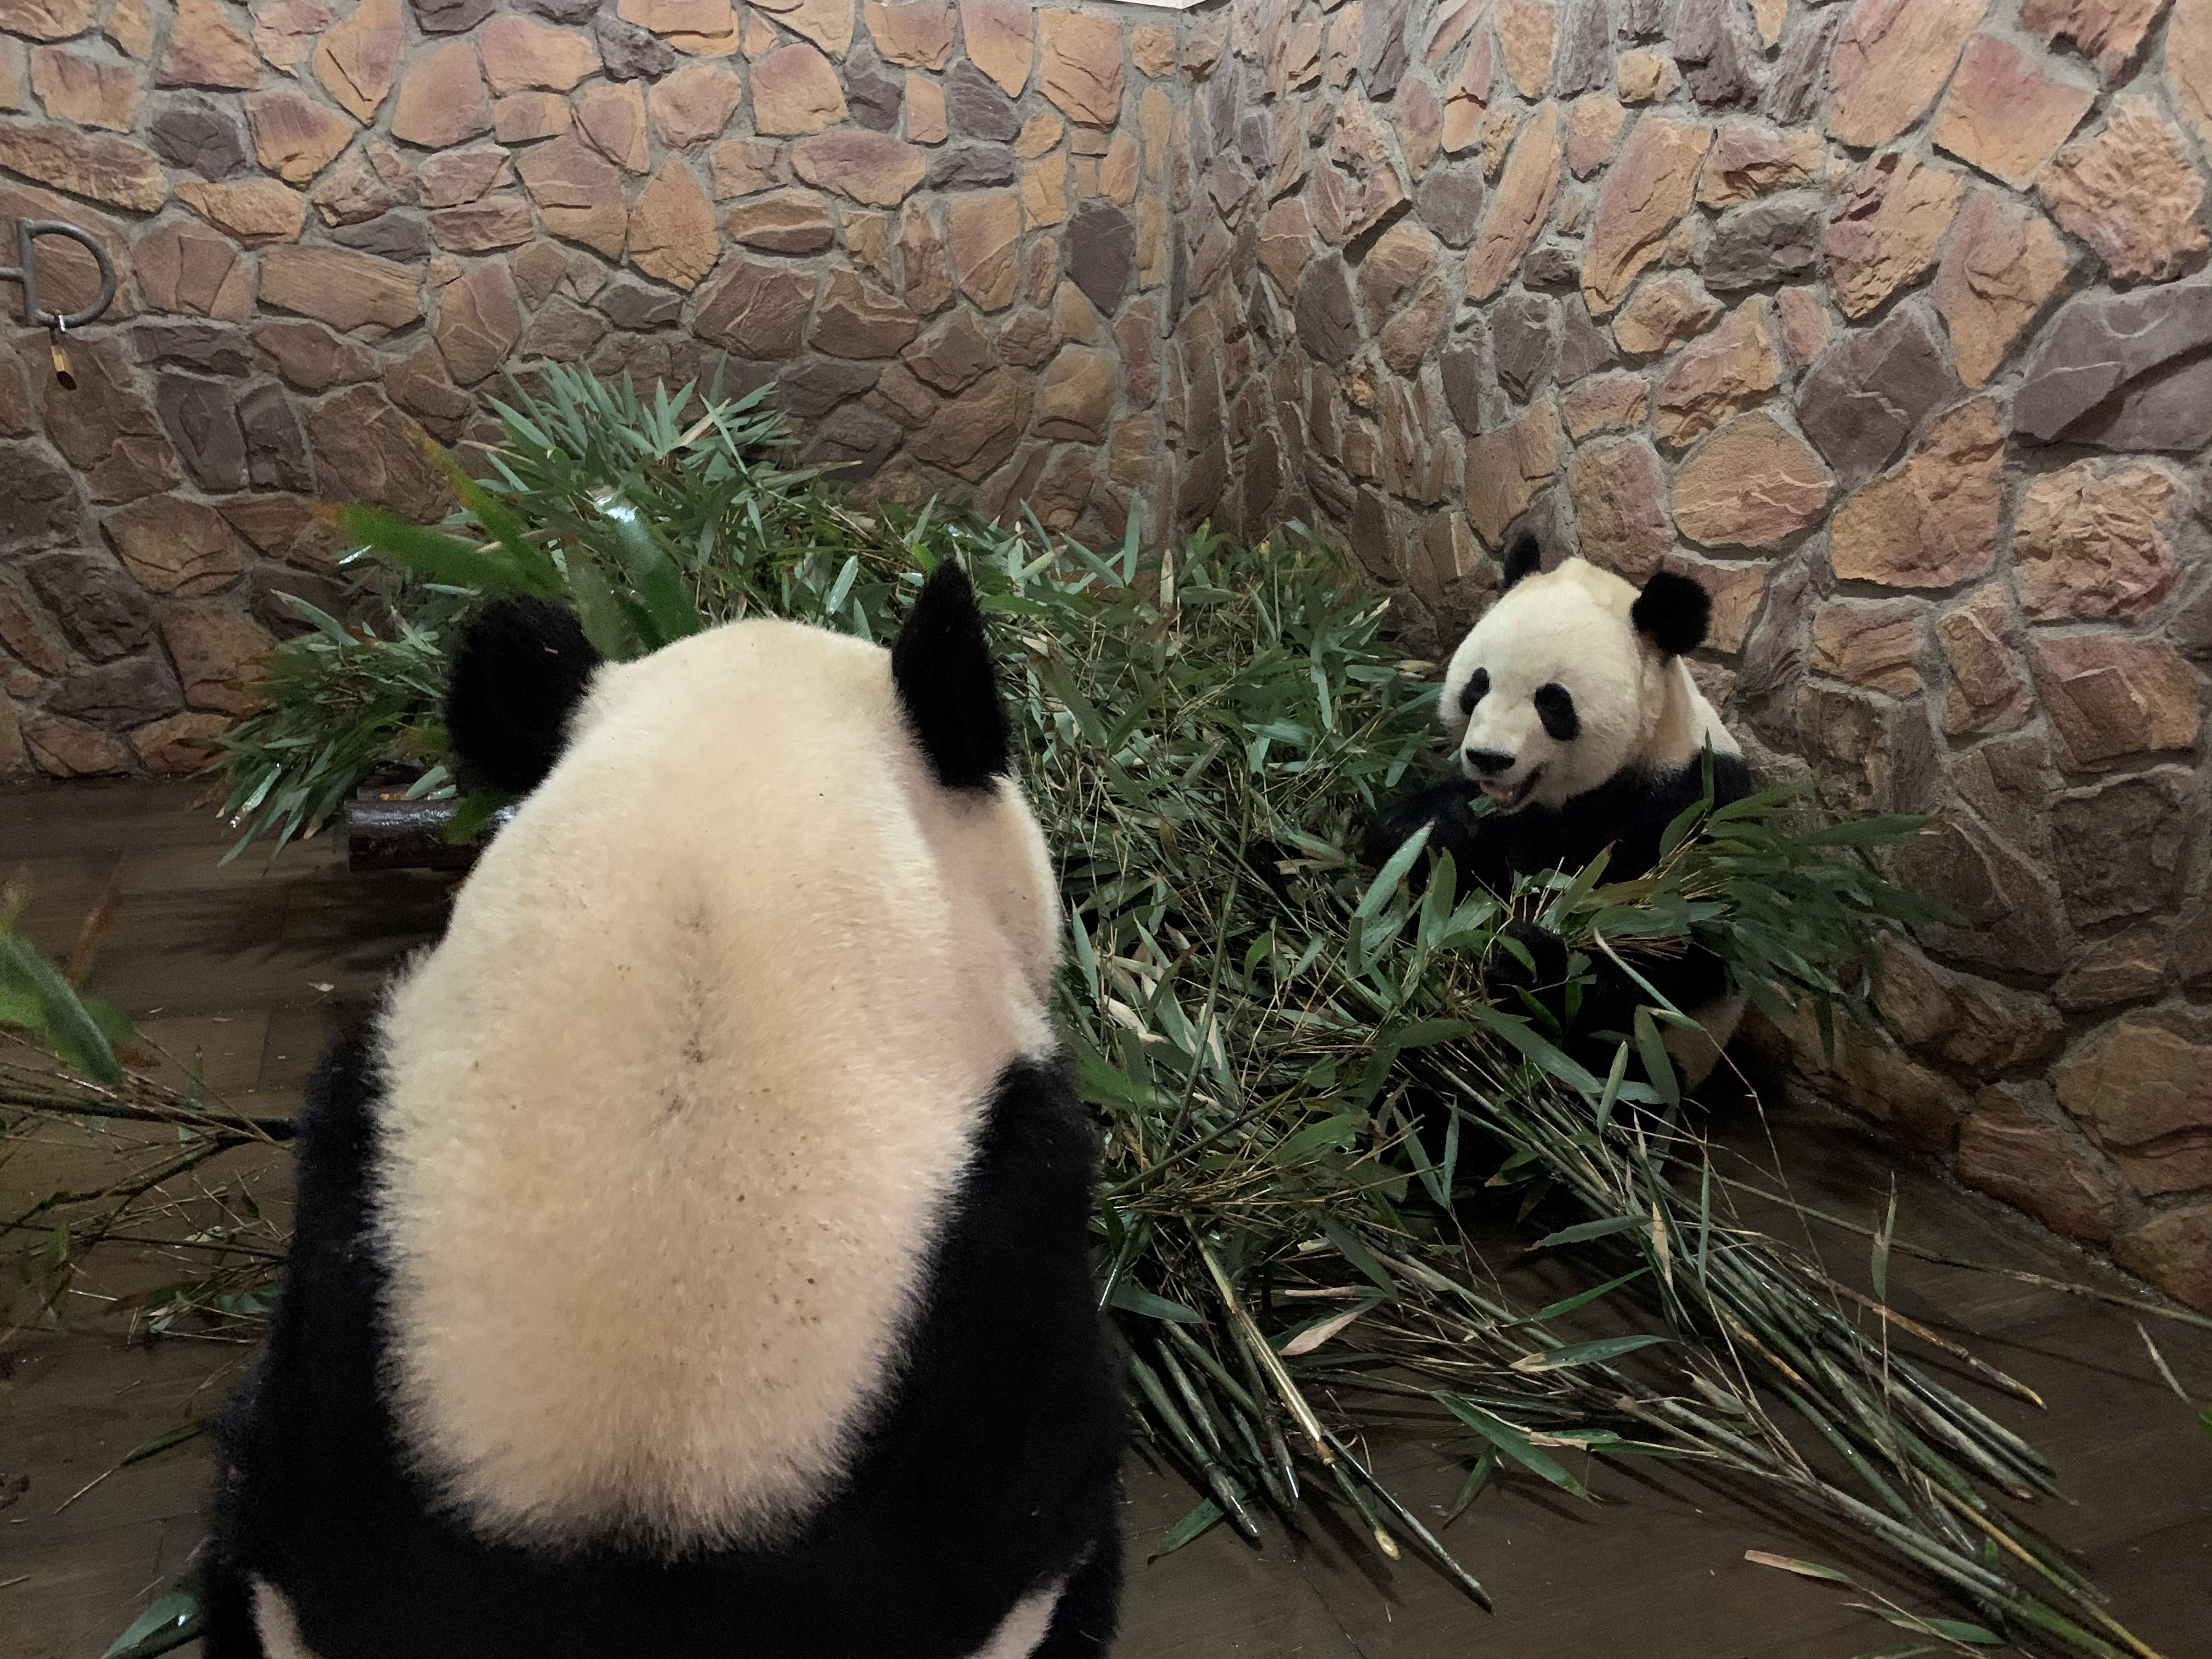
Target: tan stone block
(745,167)
(207,48)
(984,230)
(1662,313)
(915,33)
(253,210)
(2111,697)
(1079,64)
(2003,267)
(694,103)
(69,749)
(579,194)
(521,54)
(1987,689)
(2086,547)
(611,114)
(2123,968)
(795,91)
(1118,170)
(2188,65)
(1804,325)
(787,221)
(872,168)
(2131,191)
(356,60)
(2008,110)
(1884,228)
(76,86)
(1044,191)
(1528,31)
(284,31)
(2142,1088)
(827,23)
(103,165)
(1508,467)
(1644,194)
(1467,97)
(47,19)
(1618,487)
(997,34)
(1754,483)
(1891,59)
(480,227)
(672,228)
(528,115)
(1933,522)
(1519,206)
(175,546)
(2108,31)
(186,267)
(1594,126)
(1151,47)
(180,744)
(1645,77)
(219,655)
(1076,394)
(1734,368)
(969,435)
(345,289)
(1604,403)
(926,273)
(924,113)
(441,98)
(1752,159)
(756,310)
(295,136)
(1873,643)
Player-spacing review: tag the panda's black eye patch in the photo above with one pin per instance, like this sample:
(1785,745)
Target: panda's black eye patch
(1476,689)
(1555,707)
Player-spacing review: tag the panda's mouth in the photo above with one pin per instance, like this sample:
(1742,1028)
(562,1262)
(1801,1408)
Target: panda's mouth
(1508,796)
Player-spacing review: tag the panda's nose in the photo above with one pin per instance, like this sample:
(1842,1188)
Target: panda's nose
(1489,762)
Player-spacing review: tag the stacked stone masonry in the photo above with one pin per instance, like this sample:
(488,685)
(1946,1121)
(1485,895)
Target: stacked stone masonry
(1888,320)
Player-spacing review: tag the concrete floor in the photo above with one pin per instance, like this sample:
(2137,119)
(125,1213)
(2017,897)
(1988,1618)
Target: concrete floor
(250,965)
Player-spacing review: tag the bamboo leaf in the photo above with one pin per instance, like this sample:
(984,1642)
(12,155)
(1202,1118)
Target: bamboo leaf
(1513,1443)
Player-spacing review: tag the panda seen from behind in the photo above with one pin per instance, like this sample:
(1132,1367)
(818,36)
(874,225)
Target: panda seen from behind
(691,1257)
(1576,728)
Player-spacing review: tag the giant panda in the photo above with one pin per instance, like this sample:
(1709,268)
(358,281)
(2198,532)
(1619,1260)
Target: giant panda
(1575,728)
(692,1255)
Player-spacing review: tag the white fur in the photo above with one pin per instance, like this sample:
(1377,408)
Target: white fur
(1570,626)
(677,1107)
(1018,1635)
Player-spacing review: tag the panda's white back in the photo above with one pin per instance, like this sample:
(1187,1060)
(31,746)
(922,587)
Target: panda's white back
(675,1110)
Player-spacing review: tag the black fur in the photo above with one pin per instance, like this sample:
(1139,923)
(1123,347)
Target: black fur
(948,684)
(523,667)
(1523,558)
(1673,612)
(1555,707)
(1476,689)
(991,1470)
(1629,813)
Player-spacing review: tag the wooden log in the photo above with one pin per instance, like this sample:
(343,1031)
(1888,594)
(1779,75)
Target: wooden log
(408,835)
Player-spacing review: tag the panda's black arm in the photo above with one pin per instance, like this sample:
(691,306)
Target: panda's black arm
(1478,854)
(1610,996)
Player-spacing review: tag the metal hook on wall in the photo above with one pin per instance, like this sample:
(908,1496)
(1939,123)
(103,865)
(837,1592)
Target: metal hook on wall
(26,272)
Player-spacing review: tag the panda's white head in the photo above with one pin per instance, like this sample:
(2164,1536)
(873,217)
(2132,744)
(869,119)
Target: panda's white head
(768,718)
(1573,676)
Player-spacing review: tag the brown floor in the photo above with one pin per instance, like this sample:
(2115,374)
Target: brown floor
(251,964)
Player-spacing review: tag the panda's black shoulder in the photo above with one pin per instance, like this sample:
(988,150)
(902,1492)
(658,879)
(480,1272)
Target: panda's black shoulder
(1631,810)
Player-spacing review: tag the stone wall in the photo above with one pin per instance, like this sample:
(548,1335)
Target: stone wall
(940,228)
(1886,320)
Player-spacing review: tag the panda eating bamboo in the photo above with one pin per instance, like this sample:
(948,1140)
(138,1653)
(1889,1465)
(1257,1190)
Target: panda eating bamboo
(1577,729)
(691,1257)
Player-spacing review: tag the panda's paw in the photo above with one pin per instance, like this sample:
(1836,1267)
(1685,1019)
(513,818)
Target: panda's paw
(1541,959)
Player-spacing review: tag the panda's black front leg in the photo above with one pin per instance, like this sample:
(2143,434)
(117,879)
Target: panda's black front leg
(1607,996)
(1448,810)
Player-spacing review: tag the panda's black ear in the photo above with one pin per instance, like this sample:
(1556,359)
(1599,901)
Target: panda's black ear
(1672,613)
(1522,559)
(948,684)
(523,667)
